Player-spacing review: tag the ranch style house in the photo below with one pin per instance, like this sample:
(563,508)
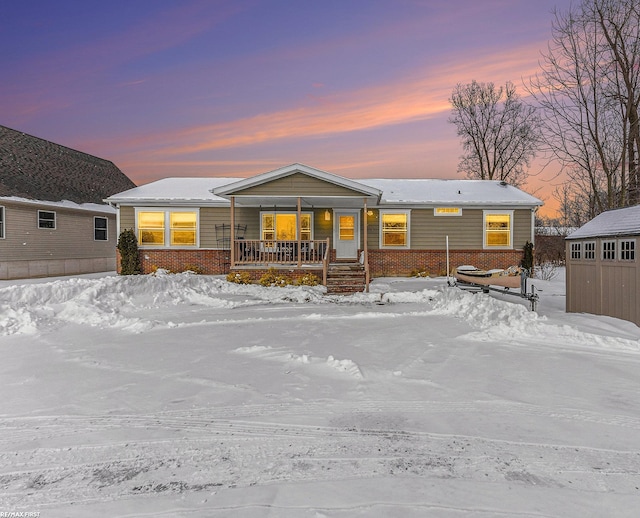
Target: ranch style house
(299,219)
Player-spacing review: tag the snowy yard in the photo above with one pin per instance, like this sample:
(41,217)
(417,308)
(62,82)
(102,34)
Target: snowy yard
(187,396)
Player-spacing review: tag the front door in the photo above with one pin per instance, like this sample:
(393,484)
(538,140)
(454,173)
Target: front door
(346,233)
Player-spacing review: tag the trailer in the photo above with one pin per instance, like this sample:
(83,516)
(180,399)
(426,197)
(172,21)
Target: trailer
(501,281)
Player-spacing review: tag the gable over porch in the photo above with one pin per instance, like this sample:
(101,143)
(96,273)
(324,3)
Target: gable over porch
(306,217)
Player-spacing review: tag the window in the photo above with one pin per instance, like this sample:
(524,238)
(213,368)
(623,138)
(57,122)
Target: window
(628,250)
(576,250)
(608,250)
(151,228)
(394,229)
(347,228)
(447,211)
(183,228)
(498,230)
(283,226)
(1,222)
(46,219)
(590,250)
(99,228)
(167,228)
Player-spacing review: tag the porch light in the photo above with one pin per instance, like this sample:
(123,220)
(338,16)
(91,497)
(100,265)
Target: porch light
(327,215)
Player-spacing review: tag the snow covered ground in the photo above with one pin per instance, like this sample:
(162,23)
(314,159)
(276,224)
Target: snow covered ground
(187,396)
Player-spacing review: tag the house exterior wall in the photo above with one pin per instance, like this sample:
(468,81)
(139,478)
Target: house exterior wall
(28,251)
(428,232)
(603,287)
(427,241)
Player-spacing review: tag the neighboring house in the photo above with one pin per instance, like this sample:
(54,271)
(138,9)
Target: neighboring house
(603,275)
(301,219)
(53,220)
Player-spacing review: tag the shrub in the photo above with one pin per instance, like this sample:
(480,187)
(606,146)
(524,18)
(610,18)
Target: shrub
(527,259)
(239,277)
(129,257)
(419,273)
(308,279)
(193,268)
(273,278)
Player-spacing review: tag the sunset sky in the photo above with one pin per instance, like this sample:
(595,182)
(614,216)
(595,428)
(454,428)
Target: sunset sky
(359,88)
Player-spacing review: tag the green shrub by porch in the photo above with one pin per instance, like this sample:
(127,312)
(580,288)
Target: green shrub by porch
(129,257)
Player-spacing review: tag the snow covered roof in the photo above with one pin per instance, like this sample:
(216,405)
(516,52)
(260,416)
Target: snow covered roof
(64,204)
(616,222)
(395,191)
(174,191)
(450,192)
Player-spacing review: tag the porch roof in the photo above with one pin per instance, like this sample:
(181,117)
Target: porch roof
(353,190)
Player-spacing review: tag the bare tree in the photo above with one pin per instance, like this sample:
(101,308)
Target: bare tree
(589,93)
(499,132)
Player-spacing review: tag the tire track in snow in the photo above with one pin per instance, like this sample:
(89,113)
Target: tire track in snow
(106,457)
(223,418)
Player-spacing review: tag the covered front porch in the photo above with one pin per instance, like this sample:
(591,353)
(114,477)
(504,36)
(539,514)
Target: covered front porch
(298,218)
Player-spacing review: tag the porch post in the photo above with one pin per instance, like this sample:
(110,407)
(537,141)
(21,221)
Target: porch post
(299,232)
(233,231)
(366,247)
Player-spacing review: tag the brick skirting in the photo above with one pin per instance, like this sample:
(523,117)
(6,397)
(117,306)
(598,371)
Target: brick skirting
(382,263)
(207,262)
(390,263)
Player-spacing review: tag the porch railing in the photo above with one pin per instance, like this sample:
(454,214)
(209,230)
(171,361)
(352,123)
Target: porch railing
(264,252)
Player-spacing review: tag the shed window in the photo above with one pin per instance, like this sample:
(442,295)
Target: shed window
(628,250)
(590,250)
(46,219)
(608,250)
(1,222)
(498,229)
(99,228)
(576,250)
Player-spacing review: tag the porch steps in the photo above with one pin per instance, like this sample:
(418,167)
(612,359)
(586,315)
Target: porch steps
(345,278)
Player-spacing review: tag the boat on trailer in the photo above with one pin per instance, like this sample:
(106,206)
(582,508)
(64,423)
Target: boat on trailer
(509,278)
(499,280)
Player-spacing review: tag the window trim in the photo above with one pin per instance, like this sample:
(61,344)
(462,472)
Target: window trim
(106,228)
(55,220)
(167,227)
(591,253)
(382,213)
(275,230)
(488,212)
(630,251)
(612,252)
(447,212)
(3,222)
(575,250)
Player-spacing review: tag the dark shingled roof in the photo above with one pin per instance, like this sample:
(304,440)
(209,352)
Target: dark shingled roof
(37,169)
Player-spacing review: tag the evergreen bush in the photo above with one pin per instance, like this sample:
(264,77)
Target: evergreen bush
(129,257)
(527,259)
